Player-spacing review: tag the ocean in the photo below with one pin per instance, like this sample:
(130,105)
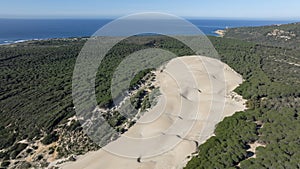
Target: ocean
(18,30)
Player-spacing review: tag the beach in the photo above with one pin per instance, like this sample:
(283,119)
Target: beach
(221,33)
(196,94)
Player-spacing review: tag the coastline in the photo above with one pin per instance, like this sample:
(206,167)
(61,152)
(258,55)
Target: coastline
(216,33)
(16,41)
(207,26)
(40,40)
(12,42)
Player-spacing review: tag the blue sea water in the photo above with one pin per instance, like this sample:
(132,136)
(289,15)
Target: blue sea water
(16,30)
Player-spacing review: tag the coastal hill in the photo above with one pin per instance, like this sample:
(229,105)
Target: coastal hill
(286,35)
(37,121)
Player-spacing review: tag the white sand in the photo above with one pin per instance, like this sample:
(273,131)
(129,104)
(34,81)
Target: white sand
(183,118)
(221,33)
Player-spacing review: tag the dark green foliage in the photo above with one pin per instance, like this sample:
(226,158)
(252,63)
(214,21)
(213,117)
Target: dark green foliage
(7,138)
(25,164)
(260,35)
(146,103)
(125,48)
(29,150)
(51,150)
(272,90)
(36,83)
(5,164)
(264,78)
(50,138)
(74,125)
(228,147)
(116,119)
(240,126)
(281,134)
(16,149)
(138,77)
(137,99)
(39,157)
(4,155)
(35,91)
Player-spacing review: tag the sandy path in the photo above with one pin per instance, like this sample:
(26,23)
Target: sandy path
(196,95)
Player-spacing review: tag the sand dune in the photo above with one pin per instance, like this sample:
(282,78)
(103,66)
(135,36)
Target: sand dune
(196,95)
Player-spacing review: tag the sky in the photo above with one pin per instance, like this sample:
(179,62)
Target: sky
(246,9)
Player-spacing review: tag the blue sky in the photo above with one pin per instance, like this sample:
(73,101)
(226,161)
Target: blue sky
(252,9)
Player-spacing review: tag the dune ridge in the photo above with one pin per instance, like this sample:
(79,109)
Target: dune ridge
(197,93)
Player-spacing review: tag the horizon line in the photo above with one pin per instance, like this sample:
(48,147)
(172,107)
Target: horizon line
(184,17)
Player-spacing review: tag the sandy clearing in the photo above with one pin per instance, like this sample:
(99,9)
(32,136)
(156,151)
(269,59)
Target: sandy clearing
(253,147)
(196,95)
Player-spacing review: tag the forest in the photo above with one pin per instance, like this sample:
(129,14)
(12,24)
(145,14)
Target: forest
(286,35)
(272,119)
(36,89)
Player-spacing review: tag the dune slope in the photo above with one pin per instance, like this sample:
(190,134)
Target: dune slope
(196,95)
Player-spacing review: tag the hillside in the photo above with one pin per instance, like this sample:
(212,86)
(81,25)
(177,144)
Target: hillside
(267,134)
(37,122)
(37,114)
(287,35)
